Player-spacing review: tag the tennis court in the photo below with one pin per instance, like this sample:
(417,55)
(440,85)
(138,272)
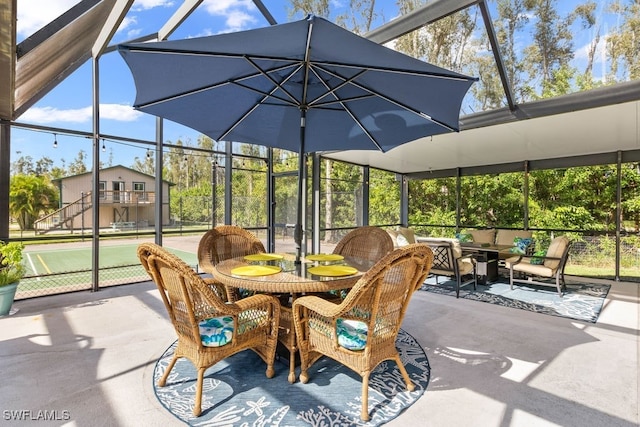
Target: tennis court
(60,260)
(67,267)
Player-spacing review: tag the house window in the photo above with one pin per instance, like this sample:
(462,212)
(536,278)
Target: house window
(139,189)
(102,187)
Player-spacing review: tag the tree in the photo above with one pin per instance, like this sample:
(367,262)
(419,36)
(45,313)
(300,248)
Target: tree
(552,47)
(146,165)
(623,46)
(77,166)
(29,197)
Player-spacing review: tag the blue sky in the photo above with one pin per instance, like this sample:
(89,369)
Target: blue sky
(68,106)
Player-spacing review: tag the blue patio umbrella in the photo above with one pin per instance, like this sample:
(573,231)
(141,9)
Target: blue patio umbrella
(305,86)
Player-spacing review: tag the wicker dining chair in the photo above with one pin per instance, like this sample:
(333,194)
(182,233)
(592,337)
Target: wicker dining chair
(208,329)
(370,243)
(224,242)
(361,331)
(366,243)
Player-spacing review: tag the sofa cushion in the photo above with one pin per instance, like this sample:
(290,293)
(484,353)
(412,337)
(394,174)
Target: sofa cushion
(465,265)
(556,249)
(456,249)
(507,237)
(484,236)
(526,266)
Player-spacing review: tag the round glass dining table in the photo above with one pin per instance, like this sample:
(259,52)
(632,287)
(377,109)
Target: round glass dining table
(279,274)
(293,278)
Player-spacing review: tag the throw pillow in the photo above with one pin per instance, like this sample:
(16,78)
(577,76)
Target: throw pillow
(520,245)
(401,240)
(216,331)
(538,261)
(394,236)
(352,334)
(464,237)
(407,233)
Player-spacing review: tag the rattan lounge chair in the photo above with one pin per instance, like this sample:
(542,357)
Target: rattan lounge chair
(375,306)
(197,314)
(224,242)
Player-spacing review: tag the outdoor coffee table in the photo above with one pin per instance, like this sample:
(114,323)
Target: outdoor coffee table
(293,280)
(487,257)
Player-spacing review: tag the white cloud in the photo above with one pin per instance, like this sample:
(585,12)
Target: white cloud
(119,112)
(44,115)
(236,12)
(150,4)
(35,14)
(127,22)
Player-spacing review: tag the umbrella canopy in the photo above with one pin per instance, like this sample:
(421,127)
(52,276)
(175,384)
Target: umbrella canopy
(306,86)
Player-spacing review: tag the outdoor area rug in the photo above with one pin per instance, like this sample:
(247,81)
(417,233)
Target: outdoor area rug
(237,392)
(581,301)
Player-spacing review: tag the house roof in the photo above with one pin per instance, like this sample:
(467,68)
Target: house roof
(111,168)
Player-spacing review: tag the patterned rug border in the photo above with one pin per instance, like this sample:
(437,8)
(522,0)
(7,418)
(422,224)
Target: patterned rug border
(388,397)
(594,293)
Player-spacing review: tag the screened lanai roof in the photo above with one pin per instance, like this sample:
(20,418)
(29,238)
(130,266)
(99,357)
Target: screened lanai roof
(580,128)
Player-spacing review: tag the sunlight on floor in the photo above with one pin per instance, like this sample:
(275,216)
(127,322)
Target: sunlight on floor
(521,418)
(520,370)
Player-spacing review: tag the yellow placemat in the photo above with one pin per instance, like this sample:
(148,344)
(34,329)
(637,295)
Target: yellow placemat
(332,270)
(256,270)
(325,257)
(263,257)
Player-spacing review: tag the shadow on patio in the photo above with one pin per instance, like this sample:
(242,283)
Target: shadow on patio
(88,358)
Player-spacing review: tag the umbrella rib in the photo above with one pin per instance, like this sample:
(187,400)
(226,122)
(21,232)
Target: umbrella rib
(217,85)
(275,83)
(375,93)
(331,91)
(345,107)
(154,50)
(323,64)
(265,96)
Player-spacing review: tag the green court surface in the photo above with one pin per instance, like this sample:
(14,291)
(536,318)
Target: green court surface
(52,261)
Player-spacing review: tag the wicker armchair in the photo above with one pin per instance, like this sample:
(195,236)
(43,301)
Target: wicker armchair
(224,242)
(370,243)
(251,323)
(375,306)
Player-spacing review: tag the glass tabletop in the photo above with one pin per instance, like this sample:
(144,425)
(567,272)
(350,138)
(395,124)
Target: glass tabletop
(304,276)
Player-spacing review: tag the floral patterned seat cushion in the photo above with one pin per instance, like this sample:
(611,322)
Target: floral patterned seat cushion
(352,334)
(216,331)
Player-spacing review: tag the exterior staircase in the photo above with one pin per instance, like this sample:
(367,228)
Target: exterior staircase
(58,220)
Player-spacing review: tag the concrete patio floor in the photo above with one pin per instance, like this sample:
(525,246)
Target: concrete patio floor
(88,358)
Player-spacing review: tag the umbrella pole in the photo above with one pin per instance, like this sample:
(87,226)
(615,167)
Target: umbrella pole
(298,231)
